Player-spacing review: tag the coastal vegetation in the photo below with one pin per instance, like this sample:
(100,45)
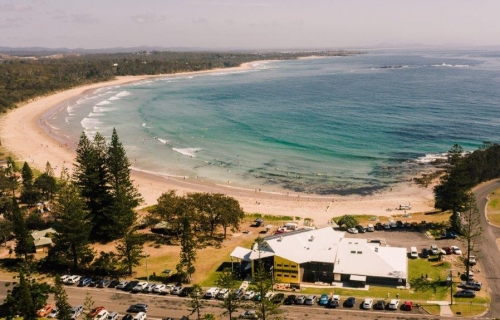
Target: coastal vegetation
(25,78)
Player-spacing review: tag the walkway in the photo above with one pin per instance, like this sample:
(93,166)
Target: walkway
(445,310)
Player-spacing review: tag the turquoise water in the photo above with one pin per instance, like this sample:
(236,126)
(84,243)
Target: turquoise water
(325,126)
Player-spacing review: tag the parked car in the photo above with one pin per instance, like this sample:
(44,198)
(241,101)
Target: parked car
(158,288)
(103,283)
(400,224)
(368,303)
(113,283)
(300,299)
(361,229)
(72,280)
(407,306)
(212,293)
(223,294)
(138,307)
(122,285)
(387,226)
(413,252)
(449,235)
(465,294)
(128,316)
(434,249)
(76,311)
(186,291)
(379,226)
(249,314)
(249,295)
(310,300)
(370,228)
(379,305)
(139,287)
(350,302)
(65,277)
(94,312)
(238,294)
(334,301)
(176,290)
(101,315)
(167,289)
(447,250)
(456,250)
(149,288)
(278,298)
(140,316)
(44,311)
(425,253)
(113,316)
(472,261)
(53,313)
(269,295)
(290,299)
(84,282)
(471,285)
(352,230)
(393,304)
(94,282)
(323,300)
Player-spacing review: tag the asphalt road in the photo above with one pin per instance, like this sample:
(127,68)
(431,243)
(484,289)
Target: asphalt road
(490,254)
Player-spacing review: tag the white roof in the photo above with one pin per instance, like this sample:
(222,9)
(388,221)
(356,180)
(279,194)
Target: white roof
(359,257)
(303,245)
(249,254)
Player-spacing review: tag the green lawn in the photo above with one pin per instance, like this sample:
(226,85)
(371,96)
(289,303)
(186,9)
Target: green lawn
(432,309)
(468,309)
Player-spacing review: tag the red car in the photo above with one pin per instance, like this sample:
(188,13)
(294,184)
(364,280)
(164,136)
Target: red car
(447,250)
(407,306)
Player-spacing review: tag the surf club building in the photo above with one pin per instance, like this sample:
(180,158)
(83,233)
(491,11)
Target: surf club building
(325,256)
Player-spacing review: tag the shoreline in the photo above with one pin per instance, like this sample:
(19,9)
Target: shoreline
(23,133)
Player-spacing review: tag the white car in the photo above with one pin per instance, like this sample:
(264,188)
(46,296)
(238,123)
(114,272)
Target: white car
(211,293)
(140,286)
(368,303)
(122,285)
(223,294)
(434,249)
(352,230)
(76,311)
(167,289)
(456,250)
(158,288)
(140,316)
(65,277)
(73,279)
(393,304)
(53,313)
(249,295)
(176,290)
(102,315)
(269,295)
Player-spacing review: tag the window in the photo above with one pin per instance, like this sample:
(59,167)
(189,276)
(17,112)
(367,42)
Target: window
(285,265)
(286,276)
(294,276)
(278,275)
(278,265)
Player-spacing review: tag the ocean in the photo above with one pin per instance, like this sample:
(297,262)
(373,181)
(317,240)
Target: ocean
(335,125)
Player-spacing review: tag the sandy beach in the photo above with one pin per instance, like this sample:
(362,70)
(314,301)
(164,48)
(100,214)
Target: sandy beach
(23,134)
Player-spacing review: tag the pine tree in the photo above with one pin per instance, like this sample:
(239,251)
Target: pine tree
(27,175)
(92,176)
(472,231)
(29,194)
(27,307)
(88,306)
(24,243)
(73,227)
(196,303)
(130,251)
(227,280)
(185,267)
(125,195)
(61,299)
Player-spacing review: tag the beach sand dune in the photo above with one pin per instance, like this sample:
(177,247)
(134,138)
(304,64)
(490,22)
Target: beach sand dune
(23,133)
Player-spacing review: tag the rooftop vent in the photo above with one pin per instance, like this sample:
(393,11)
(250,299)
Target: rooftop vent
(280,239)
(376,249)
(360,252)
(311,238)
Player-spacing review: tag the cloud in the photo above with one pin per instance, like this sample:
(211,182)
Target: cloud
(83,18)
(199,20)
(147,18)
(15,7)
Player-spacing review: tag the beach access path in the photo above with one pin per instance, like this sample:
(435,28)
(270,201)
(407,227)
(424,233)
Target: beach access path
(22,134)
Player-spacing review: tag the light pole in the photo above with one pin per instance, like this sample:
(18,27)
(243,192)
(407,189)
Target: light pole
(145,253)
(451,287)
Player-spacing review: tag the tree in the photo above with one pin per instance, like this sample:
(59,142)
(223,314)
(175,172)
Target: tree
(185,267)
(106,264)
(91,175)
(125,196)
(348,221)
(5,231)
(27,175)
(196,303)
(88,306)
(46,184)
(231,213)
(262,282)
(27,307)
(227,280)
(61,299)
(130,251)
(73,228)
(10,172)
(170,208)
(24,242)
(472,232)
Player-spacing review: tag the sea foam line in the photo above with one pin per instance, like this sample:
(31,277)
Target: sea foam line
(190,152)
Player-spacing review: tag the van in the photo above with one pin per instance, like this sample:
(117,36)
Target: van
(370,228)
(404,207)
(413,252)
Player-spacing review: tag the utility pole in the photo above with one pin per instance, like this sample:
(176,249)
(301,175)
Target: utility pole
(145,253)
(451,287)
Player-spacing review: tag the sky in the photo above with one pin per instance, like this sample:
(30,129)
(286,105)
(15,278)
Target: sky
(249,24)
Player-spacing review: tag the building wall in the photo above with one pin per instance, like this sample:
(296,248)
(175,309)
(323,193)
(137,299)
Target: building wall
(377,280)
(317,272)
(286,271)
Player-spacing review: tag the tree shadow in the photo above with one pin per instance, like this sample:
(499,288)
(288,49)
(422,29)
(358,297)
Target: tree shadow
(422,284)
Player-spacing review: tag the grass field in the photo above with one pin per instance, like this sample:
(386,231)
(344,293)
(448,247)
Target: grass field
(468,309)
(494,207)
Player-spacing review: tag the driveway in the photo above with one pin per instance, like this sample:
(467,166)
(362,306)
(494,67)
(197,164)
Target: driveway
(490,255)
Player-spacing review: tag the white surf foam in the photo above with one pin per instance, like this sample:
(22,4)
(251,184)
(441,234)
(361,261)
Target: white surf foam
(163,140)
(103,103)
(122,94)
(429,158)
(90,123)
(190,152)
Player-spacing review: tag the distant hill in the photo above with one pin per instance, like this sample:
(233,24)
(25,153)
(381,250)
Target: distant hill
(42,51)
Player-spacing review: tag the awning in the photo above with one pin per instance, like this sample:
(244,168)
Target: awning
(241,253)
(354,277)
